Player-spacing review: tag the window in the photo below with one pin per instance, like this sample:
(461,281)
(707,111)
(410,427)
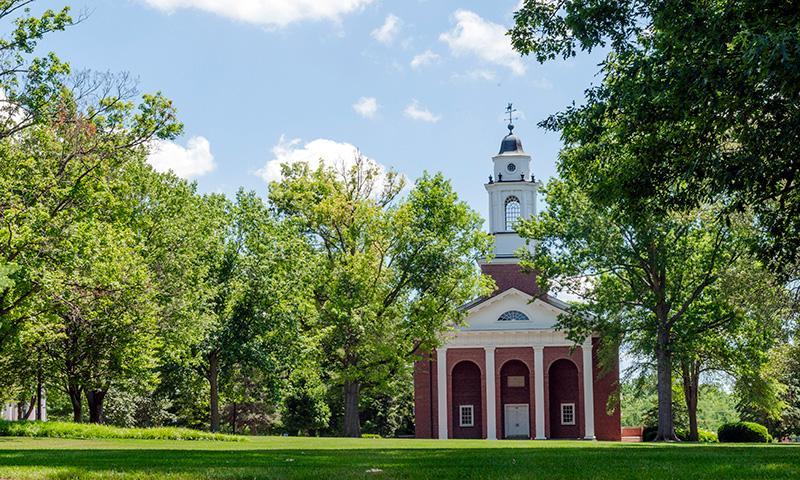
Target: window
(567,414)
(513,212)
(467,415)
(513,315)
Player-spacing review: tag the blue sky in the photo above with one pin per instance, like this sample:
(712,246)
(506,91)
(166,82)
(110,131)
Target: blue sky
(259,81)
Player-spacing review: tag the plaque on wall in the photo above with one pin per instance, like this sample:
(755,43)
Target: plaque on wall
(516,381)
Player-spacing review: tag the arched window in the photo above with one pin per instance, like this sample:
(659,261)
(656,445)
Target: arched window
(513,315)
(513,210)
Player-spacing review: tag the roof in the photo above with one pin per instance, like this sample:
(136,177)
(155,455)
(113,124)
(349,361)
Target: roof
(508,276)
(511,144)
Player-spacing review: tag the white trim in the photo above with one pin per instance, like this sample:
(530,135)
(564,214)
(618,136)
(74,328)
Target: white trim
(441,385)
(588,389)
(573,413)
(491,395)
(461,410)
(538,369)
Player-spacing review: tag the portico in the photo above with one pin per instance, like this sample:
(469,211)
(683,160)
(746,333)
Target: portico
(512,366)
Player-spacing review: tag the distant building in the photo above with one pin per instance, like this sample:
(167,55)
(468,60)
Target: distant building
(17,411)
(507,373)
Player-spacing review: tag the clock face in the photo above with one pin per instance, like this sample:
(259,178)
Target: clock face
(511,167)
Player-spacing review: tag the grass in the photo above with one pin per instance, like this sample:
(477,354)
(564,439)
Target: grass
(85,430)
(290,458)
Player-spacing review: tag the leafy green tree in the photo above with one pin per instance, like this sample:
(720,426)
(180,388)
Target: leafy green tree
(746,310)
(99,320)
(770,395)
(391,273)
(31,85)
(702,97)
(304,410)
(54,176)
(639,272)
(261,277)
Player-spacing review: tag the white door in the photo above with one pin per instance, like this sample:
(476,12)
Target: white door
(517,423)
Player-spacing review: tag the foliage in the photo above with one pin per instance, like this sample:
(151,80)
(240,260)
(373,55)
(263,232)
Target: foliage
(304,410)
(743,432)
(697,105)
(75,430)
(391,273)
(770,395)
(638,272)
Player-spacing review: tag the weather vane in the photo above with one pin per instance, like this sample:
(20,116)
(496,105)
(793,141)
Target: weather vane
(510,110)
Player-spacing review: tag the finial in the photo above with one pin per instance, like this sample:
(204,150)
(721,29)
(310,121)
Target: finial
(510,110)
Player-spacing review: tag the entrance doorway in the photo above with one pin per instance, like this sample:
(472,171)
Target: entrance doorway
(517,424)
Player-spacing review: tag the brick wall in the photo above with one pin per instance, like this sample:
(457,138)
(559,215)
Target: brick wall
(607,426)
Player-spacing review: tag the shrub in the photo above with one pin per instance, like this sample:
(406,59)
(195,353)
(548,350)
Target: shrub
(707,436)
(370,435)
(85,430)
(741,432)
(704,436)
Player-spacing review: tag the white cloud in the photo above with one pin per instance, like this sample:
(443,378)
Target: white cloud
(338,155)
(387,32)
(425,58)
(415,111)
(472,35)
(367,107)
(270,13)
(193,160)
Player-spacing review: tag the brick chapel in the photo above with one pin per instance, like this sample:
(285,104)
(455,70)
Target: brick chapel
(507,372)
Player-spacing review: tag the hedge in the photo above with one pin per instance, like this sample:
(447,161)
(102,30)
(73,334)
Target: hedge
(743,432)
(86,430)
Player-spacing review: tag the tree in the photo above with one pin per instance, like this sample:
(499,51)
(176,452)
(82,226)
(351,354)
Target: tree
(392,273)
(704,96)
(30,85)
(259,272)
(770,395)
(746,310)
(53,176)
(303,410)
(638,272)
(99,319)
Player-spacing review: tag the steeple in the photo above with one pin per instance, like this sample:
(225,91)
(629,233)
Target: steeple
(512,193)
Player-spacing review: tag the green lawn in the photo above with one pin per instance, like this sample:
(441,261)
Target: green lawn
(273,457)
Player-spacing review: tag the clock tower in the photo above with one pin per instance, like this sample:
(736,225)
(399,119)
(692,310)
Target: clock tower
(513,191)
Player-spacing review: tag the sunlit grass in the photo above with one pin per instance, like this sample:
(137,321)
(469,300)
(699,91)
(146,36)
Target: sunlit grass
(285,457)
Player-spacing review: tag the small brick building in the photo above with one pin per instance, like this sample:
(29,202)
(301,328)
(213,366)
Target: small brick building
(507,372)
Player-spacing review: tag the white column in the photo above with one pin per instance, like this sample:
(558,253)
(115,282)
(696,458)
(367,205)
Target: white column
(538,373)
(588,389)
(491,386)
(441,386)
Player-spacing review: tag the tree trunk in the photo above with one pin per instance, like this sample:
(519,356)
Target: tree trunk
(233,418)
(666,426)
(95,400)
(352,424)
(213,383)
(39,391)
(75,399)
(30,406)
(690,372)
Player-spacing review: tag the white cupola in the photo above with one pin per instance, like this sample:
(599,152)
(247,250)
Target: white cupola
(513,191)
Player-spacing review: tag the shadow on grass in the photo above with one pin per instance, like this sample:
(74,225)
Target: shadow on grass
(541,463)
